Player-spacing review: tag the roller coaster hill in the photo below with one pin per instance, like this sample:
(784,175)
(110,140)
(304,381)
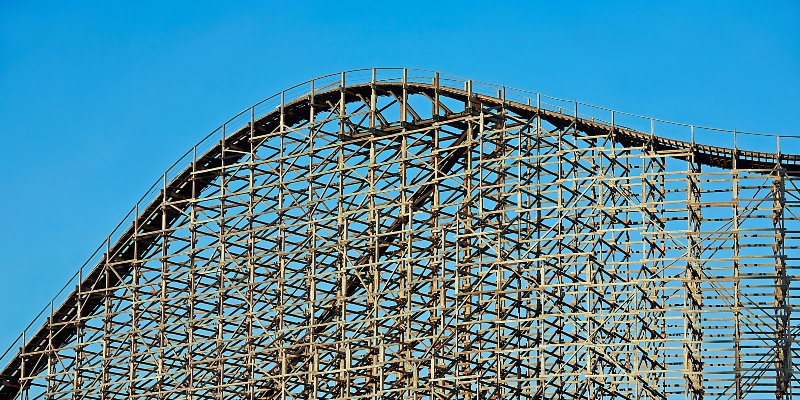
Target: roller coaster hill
(400,233)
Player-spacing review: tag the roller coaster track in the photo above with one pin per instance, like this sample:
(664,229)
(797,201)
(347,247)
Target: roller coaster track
(481,114)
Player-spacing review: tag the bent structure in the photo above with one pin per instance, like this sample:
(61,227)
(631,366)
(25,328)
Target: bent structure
(404,234)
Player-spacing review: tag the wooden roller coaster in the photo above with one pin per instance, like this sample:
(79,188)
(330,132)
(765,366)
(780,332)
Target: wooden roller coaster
(394,233)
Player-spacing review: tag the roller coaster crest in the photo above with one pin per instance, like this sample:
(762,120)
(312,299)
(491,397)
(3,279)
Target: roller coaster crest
(397,233)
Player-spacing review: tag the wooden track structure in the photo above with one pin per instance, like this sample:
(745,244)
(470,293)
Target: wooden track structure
(375,234)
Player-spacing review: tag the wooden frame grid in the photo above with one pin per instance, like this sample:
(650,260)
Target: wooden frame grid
(395,234)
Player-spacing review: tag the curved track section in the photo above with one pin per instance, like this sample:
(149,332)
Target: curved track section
(401,237)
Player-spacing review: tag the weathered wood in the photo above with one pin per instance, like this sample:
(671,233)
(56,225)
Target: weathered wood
(401,238)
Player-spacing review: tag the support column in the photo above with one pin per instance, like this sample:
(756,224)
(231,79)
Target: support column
(783,364)
(693,301)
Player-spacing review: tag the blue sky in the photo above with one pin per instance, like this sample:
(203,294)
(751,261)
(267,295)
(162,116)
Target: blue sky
(97,99)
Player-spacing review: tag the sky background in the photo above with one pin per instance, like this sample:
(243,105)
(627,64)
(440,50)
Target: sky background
(98,99)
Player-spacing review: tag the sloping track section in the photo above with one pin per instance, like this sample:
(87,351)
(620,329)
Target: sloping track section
(394,233)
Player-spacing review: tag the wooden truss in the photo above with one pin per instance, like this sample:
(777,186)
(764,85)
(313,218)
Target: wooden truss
(373,234)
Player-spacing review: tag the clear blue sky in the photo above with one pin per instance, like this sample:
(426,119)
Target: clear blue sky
(97,98)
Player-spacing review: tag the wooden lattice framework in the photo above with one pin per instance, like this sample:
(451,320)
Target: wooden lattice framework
(401,234)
